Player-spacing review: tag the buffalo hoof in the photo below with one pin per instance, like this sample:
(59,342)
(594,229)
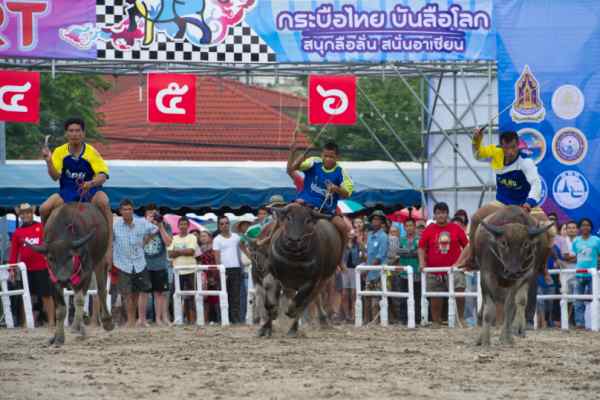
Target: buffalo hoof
(485,342)
(56,341)
(291,313)
(76,327)
(325,325)
(507,340)
(108,324)
(292,333)
(79,331)
(520,332)
(264,332)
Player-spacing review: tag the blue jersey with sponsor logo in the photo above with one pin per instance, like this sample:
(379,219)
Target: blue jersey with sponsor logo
(74,170)
(516,183)
(316,178)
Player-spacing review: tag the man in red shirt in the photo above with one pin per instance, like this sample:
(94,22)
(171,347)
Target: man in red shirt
(32,233)
(440,246)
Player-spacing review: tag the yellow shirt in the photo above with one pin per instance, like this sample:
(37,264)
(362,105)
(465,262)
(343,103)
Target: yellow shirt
(182,243)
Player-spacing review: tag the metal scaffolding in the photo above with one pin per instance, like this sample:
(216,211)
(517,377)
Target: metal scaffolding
(430,99)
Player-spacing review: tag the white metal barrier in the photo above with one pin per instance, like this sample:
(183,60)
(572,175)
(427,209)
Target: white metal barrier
(451,294)
(565,298)
(384,293)
(67,293)
(24,293)
(199,293)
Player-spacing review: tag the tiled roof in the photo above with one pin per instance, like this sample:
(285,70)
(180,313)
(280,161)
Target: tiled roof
(234,122)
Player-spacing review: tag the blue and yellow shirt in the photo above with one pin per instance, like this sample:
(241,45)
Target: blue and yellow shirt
(516,183)
(74,170)
(316,178)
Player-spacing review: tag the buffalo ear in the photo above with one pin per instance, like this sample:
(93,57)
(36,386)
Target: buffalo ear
(75,244)
(279,212)
(42,249)
(251,244)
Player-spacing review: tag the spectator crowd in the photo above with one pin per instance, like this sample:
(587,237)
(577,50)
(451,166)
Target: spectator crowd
(147,250)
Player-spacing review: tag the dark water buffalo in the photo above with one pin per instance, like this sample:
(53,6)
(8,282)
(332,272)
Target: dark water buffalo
(75,243)
(511,249)
(303,254)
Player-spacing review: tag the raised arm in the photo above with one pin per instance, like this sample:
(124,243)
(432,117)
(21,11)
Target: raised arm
(50,163)
(491,153)
(294,163)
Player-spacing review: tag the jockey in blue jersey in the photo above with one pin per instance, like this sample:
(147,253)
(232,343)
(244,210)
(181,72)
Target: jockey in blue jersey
(325,182)
(518,183)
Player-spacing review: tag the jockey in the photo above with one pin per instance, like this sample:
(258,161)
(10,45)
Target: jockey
(517,183)
(81,172)
(325,182)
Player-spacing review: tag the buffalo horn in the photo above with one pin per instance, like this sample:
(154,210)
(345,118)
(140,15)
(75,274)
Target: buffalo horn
(319,215)
(42,249)
(533,232)
(496,230)
(75,244)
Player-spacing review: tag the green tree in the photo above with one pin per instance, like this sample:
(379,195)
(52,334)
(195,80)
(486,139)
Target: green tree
(401,110)
(67,95)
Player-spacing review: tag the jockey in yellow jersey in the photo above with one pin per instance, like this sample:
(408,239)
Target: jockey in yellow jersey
(517,183)
(81,172)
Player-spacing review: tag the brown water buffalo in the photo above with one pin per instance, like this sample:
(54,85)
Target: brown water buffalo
(75,243)
(304,252)
(510,249)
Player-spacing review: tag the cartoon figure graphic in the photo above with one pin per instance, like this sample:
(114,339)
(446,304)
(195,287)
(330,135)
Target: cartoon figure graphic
(444,242)
(177,18)
(222,14)
(199,22)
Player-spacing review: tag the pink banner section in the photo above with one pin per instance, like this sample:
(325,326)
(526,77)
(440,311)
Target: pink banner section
(44,28)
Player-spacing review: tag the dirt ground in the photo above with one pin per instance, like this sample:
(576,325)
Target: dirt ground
(341,363)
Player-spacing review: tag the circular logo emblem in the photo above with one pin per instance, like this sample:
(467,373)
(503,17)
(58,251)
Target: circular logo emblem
(570,189)
(544,194)
(534,144)
(568,102)
(569,146)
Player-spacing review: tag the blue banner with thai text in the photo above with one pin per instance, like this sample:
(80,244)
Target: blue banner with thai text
(548,56)
(376,30)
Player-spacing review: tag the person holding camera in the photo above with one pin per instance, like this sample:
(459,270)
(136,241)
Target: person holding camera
(129,236)
(155,251)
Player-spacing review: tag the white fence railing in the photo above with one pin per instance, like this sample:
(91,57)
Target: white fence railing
(565,298)
(67,293)
(451,294)
(199,293)
(24,293)
(251,300)
(384,293)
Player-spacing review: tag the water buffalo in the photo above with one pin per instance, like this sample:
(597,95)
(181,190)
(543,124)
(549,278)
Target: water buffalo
(304,252)
(511,249)
(75,243)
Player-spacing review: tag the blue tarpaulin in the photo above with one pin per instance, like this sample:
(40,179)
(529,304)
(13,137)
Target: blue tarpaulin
(209,184)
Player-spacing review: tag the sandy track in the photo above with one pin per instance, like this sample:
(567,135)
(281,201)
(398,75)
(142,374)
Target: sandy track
(342,363)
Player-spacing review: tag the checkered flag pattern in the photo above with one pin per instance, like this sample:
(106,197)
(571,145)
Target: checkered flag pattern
(242,44)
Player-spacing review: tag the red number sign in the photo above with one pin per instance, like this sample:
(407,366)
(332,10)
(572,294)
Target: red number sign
(172,98)
(19,96)
(332,100)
